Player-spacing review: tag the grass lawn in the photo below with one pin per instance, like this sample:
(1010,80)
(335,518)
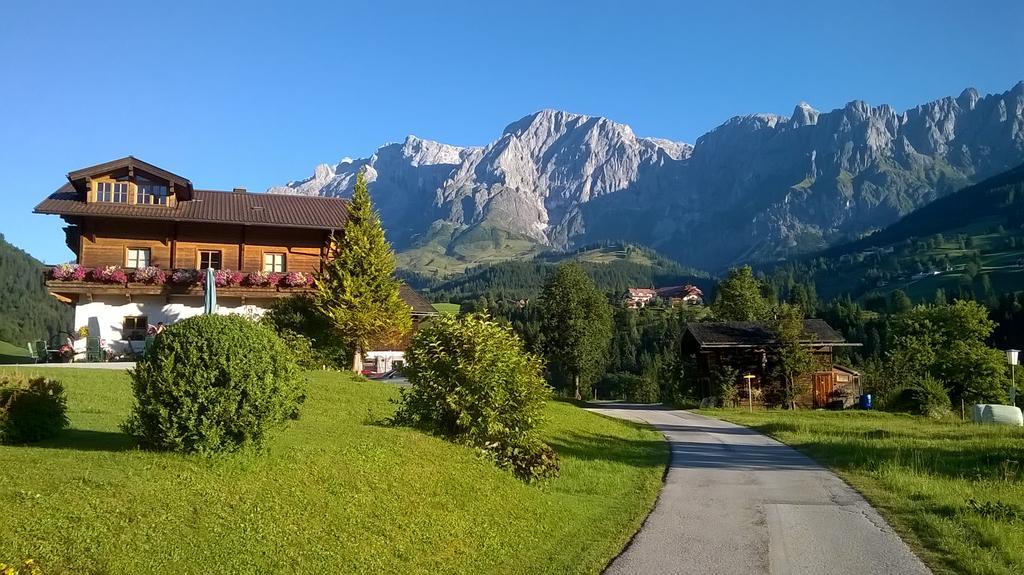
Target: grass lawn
(922,475)
(334,493)
(10,353)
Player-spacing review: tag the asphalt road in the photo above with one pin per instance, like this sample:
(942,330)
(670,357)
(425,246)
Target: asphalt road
(736,501)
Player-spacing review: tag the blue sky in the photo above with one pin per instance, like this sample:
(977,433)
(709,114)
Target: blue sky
(256,93)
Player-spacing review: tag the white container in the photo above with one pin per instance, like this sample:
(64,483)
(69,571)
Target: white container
(997,414)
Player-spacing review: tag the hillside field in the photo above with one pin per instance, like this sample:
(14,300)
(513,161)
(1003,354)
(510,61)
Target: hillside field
(336,492)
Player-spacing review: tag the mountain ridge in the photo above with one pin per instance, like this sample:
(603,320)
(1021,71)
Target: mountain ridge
(756,188)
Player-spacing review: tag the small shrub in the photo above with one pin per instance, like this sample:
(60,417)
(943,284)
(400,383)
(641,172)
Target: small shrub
(927,396)
(31,409)
(473,382)
(723,384)
(297,316)
(213,383)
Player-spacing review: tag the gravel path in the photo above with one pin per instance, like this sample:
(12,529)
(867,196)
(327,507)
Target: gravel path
(736,501)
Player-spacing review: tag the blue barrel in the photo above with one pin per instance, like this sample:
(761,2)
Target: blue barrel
(865,401)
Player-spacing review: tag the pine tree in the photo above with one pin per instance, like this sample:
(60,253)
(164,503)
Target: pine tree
(357,289)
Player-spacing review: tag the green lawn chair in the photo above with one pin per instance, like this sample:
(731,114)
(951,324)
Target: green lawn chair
(93,352)
(147,344)
(32,350)
(40,355)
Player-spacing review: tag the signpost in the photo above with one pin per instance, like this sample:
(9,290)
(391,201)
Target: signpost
(1011,358)
(750,396)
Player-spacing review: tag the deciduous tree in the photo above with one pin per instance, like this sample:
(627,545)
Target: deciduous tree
(739,297)
(576,328)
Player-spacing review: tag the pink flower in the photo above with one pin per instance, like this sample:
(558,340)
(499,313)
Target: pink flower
(294,279)
(185,277)
(109,275)
(257,279)
(150,275)
(67,272)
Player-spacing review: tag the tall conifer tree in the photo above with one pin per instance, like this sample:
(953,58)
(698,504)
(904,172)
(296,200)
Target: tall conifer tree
(357,289)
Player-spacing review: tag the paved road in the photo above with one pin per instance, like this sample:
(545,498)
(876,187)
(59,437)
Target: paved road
(736,501)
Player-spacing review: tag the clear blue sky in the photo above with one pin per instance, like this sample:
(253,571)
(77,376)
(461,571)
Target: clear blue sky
(256,93)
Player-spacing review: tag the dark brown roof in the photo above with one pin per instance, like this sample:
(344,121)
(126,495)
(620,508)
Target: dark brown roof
(418,303)
(275,210)
(128,162)
(754,334)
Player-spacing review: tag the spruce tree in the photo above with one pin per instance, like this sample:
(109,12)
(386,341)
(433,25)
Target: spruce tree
(357,289)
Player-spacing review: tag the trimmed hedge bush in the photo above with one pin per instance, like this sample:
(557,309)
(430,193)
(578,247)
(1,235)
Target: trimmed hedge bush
(473,382)
(31,409)
(213,383)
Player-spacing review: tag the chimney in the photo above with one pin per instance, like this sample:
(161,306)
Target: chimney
(239,190)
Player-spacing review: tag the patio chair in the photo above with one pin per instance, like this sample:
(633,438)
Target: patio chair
(40,354)
(93,353)
(148,343)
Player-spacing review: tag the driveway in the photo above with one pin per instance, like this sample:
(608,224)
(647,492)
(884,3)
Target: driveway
(736,501)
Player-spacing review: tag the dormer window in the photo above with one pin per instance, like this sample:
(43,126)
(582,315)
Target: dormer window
(150,193)
(113,192)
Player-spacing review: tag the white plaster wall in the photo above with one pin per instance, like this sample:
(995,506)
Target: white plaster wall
(105,314)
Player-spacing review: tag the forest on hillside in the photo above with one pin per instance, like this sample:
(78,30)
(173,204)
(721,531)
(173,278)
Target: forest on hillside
(27,311)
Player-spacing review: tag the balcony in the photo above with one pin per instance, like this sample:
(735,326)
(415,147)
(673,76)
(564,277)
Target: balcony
(66,281)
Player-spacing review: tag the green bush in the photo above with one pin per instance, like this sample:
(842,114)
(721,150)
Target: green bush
(473,382)
(213,383)
(31,409)
(927,396)
(297,317)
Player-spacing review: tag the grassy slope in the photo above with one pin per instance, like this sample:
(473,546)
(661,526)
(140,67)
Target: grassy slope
(334,494)
(921,474)
(10,353)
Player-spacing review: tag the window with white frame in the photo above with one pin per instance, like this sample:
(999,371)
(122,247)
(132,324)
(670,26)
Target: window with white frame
(273,262)
(209,259)
(151,193)
(137,258)
(120,195)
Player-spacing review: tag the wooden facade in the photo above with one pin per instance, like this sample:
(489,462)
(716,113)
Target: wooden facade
(177,245)
(749,349)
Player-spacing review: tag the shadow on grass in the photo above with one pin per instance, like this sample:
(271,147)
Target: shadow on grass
(90,440)
(590,447)
(14,359)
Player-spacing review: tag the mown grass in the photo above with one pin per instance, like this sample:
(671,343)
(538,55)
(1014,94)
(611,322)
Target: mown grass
(10,353)
(923,475)
(334,493)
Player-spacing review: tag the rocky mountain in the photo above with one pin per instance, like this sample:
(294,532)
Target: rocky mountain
(757,187)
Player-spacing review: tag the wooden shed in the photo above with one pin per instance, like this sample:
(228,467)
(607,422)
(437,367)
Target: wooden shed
(750,348)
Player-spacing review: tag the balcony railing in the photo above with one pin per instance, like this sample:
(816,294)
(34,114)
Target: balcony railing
(74,278)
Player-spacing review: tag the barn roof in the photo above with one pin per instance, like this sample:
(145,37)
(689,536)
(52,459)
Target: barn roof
(418,303)
(756,334)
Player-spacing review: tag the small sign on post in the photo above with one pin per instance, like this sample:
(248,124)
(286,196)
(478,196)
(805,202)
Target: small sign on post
(750,396)
(1012,356)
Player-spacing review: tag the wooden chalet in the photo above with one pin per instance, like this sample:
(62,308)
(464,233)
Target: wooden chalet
(141,236)
(749,348)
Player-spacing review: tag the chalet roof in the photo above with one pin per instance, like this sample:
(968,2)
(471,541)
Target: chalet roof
(275,210)
(418,303)
(127,162)
(756,334)
(679,291)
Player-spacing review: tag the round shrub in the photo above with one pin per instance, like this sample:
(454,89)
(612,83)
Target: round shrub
(473,382)
(213,383)
(31,409)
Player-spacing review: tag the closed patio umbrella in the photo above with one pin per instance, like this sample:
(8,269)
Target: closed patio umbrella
(210,301)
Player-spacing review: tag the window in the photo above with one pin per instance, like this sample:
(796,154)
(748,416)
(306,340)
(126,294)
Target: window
(120,192)
(209,259)
(273,263)
(114,192)
(151,194)
(135,327)
(137,258)
(104,192)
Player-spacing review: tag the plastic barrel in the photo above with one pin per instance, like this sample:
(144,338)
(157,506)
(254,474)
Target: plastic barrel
(865,401)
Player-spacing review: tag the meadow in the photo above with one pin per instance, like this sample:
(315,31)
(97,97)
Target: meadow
(953,490)
(335,492)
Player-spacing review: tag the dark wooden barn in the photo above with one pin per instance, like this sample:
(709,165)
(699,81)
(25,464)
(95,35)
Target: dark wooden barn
(749,348)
